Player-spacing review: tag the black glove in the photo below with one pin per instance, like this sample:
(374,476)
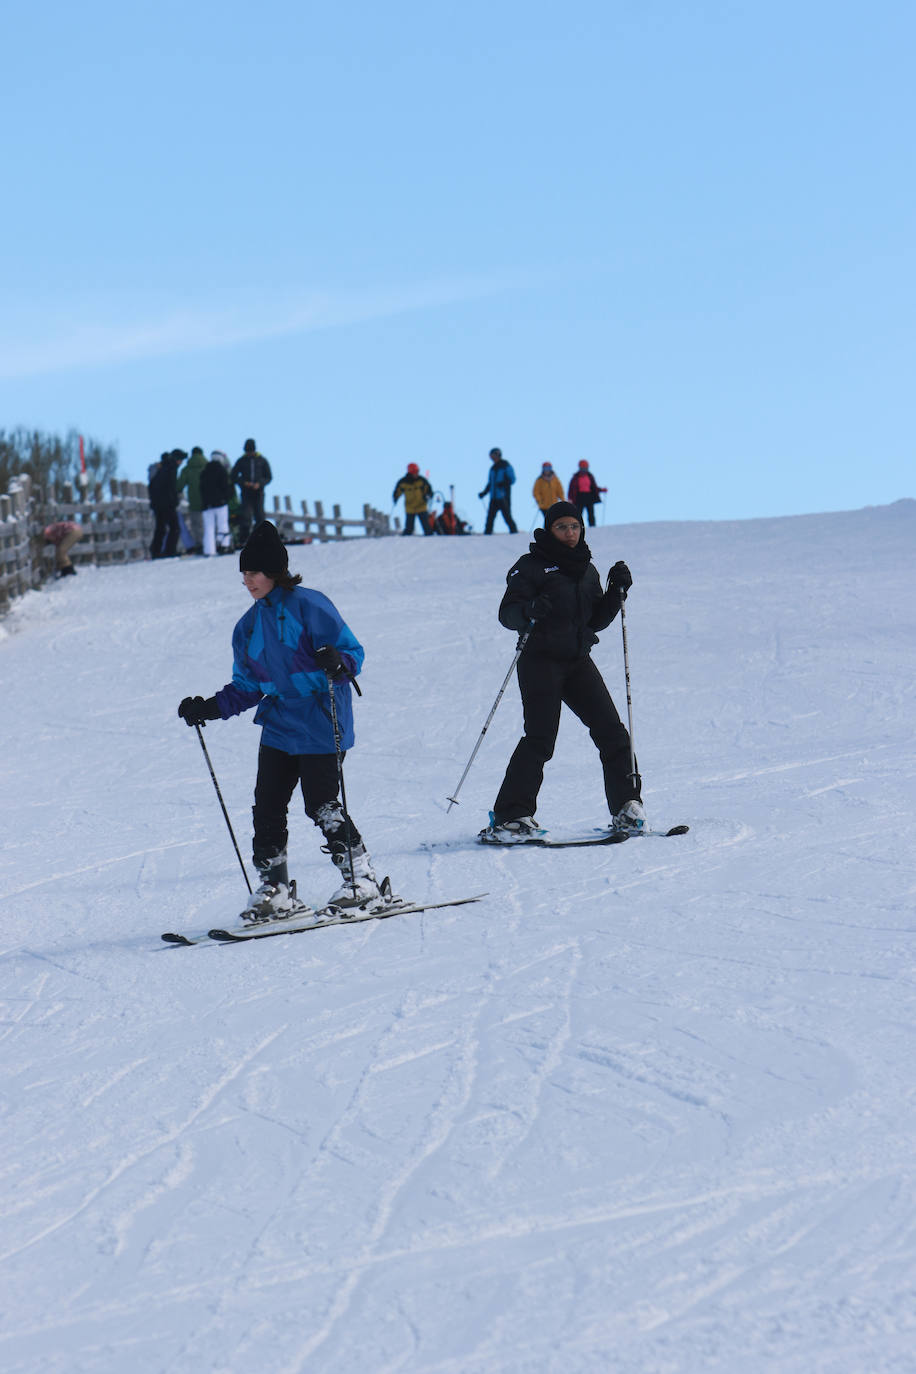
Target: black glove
(330,661)
(481,495)
(620,579)
(197,711)
(540,606)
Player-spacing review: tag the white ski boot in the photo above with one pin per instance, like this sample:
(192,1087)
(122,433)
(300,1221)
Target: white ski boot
(359,884)
(519,831)
(274,897)
(630,819)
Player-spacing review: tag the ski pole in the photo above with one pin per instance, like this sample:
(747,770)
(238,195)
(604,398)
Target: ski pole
(637,780)
(340,777)
(223,805)
(453,800)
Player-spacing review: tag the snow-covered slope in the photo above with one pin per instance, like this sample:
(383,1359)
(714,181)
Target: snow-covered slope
(643,1109)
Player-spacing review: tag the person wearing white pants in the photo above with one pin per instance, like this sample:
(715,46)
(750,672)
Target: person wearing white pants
(215,490)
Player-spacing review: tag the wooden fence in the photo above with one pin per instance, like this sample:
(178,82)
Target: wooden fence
(119,528)
(296,527)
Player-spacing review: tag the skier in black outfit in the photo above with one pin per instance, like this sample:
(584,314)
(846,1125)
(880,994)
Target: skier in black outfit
(251,474)
(556,586)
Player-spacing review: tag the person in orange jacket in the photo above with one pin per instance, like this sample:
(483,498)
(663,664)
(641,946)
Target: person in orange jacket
(547,489)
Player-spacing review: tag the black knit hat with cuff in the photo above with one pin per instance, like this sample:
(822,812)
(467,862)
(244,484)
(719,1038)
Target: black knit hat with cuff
(264,552)
(559,510)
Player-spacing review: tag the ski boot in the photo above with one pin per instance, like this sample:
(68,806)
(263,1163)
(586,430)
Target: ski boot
(521,830)
(630,819)
(275,897)
(360,885)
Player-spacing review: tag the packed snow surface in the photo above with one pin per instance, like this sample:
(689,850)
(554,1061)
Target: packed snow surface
(647,1109)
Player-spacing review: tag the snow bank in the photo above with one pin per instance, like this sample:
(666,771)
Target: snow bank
(643,1109)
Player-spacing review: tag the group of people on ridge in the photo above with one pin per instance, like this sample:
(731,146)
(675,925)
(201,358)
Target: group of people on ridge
(213,507)
(292,650)
(583,492)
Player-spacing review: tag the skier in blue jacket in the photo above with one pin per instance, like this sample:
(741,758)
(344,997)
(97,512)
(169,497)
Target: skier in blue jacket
(283,648)
(499,487)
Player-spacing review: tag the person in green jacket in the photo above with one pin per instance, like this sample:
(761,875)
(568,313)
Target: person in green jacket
(189,480)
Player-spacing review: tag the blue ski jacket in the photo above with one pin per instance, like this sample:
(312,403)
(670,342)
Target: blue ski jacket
(499,481)
(273,647)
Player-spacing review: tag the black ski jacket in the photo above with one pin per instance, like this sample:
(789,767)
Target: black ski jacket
(251,467)
(578,605)
(215,486)
(163,486)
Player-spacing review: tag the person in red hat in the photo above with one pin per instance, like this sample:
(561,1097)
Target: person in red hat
(417,493)
(584,492)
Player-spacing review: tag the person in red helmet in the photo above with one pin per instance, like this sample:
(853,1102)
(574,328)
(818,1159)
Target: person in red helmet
(584,492)
(416,492)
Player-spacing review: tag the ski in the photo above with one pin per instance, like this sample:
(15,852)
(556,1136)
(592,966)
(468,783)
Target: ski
(660,834)
(600,837)
(333,916)
(545,841)
(202,937)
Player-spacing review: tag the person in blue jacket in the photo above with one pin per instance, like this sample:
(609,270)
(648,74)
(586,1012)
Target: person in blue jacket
(284,647)
(499,488)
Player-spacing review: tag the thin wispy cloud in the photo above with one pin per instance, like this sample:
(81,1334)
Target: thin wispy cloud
(59,342)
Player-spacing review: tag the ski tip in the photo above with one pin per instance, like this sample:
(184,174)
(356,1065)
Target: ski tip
(171,938)
(678,830)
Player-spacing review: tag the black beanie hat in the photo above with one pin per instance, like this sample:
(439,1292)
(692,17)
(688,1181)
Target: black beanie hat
(264,552)
(250,446)
(558,510)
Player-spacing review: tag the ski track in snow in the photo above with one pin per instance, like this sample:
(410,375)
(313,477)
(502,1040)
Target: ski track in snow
(646,1108)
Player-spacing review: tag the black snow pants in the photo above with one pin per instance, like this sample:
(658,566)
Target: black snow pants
(278,774)
(500,507)
(251,510)
(165,535)
(545,685)
(585,505)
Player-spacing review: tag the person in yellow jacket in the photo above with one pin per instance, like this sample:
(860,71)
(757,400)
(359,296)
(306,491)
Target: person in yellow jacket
(416,492)
(547,489)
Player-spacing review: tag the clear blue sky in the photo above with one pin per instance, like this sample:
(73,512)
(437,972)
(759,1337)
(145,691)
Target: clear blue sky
(673,238)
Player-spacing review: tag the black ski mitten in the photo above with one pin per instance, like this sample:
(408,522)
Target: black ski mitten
(330,661)
(620,579)
(197,710)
